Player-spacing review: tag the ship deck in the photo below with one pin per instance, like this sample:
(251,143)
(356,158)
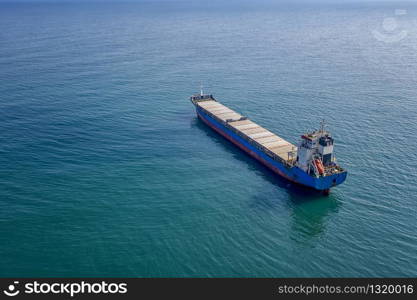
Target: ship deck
(250,130)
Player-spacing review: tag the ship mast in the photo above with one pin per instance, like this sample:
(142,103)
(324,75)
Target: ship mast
(322,125)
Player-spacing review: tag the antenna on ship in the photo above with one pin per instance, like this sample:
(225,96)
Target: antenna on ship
(322,125)
(201,89)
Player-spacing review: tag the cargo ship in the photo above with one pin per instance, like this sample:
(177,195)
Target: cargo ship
(311,164)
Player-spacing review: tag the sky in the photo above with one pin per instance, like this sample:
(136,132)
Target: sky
(218,1)
(310,1)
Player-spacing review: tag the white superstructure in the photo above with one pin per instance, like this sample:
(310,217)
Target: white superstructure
(315,152)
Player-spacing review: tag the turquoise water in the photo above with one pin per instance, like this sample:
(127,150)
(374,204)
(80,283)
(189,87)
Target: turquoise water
(105,170)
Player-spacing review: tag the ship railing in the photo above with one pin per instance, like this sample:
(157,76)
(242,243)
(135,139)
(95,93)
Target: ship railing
(287,163)
(333,169)
(199,98)
(251,141)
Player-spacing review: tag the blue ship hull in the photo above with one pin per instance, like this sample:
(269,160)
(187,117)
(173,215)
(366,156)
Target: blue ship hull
(293,174)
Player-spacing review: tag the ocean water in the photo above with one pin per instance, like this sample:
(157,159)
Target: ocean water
(106,171)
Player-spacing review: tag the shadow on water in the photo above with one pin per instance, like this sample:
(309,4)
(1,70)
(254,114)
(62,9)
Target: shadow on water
(309,219)
(310,209)
(297,193)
